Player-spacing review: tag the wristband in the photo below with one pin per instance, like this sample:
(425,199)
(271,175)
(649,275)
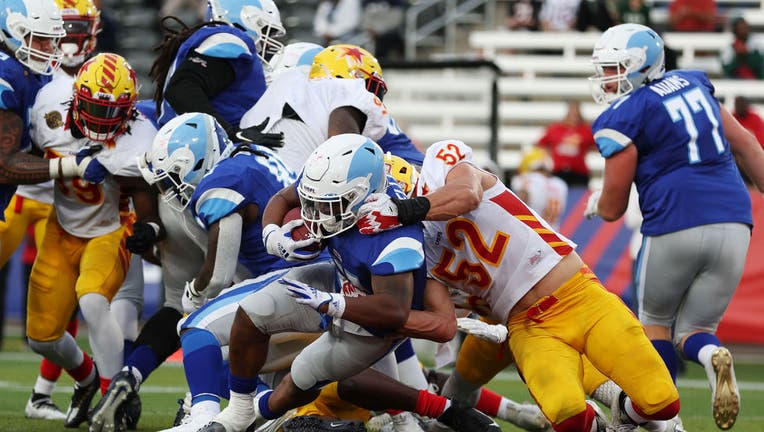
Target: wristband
(66,168)
(412,210)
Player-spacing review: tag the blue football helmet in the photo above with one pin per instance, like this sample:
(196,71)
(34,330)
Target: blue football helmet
(32,30)
(336,179)
(637,53)
(260,19)
(184,150)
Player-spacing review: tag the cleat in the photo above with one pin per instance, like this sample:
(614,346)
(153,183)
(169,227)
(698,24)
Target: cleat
(406,422)
(599,416)
(77,412)
(192,423)
(133,412)
(184,409)
(214,427)
(725,398)
(109,414)
(671,425)
(40,406)
(526,416)
(621,420)
(318,424)
(461,418)
(380,423)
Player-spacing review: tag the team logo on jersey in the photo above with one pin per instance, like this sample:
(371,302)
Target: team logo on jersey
(53,120)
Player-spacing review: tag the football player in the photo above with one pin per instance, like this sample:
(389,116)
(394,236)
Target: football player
(535,185)
(670,136)
(82,260)
(509,265)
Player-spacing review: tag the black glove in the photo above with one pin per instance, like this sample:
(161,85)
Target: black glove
(255,135)
(143,238)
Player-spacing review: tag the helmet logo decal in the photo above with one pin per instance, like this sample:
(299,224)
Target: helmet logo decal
(108,72)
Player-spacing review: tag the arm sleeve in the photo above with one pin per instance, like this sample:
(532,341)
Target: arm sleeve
(198,79)
(226,255)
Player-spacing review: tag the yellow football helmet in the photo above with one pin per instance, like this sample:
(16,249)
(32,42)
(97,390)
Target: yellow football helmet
(403,172)
(349,61)
(105,93)
(82,20)
(536,159)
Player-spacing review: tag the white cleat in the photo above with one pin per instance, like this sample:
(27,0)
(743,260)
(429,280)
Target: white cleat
(725,398)
(192,423)
(405,422)
(526,416)
(672,425)
(621,421)
(603,425)
(380,423)
(40,406)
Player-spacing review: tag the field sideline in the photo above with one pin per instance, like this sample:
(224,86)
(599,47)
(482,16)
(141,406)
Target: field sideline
(167,384)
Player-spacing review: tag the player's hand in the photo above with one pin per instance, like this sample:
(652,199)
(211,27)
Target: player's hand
(255,135)
(592,203)
(494,333)
(307,295)
(192,299)
(378,213)
(145,235)
(278,241)
(88,168)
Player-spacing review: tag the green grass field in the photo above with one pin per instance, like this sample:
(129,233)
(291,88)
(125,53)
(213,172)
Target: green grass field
(18,369)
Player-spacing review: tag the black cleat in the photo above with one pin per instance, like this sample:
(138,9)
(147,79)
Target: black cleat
(318,424)
(109,414)
(213,426)
(77,412)
(461,418)
(133,412)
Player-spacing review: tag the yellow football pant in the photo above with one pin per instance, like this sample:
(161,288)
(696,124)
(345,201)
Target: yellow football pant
(66,268)
(586,319)
(329,404)
(19,214)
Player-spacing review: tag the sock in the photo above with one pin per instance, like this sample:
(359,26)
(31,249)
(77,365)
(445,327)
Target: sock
(143,360)
(431,405)
(696,342)
(666,351)
(631,412)
(104,384)
(49,370)
(489,403)
(106,338)
(243,385)
(44,386)
(203,362)
(84,373)
(262,406)
(409,370)
(205,407)
(129,347)
(223,382)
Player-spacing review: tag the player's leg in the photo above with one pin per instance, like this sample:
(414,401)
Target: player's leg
(724,248)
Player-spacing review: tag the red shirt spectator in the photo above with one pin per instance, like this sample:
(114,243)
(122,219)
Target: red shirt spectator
(747,117)
(693,15)
(568,142)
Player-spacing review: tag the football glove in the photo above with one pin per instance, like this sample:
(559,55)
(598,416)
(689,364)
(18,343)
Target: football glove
(378,213)
(278,241)
(592,203)
(255,135)
(307,295)
(192,299)
(143,238)
(494,333)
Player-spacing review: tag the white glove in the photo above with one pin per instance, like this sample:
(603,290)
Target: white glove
(592,203)
(307,295)
(494,333)
(278,241)
(378,213)
(192,299)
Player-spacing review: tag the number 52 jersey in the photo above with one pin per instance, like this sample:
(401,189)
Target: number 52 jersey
(493,255)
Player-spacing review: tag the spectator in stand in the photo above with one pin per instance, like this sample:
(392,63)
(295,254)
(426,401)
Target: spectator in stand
(383,21)
(694,16)
(748,118)
(337,20)
(633,11)
(559,15)
(596,14)
(523,15)
(568,141)
(744,58)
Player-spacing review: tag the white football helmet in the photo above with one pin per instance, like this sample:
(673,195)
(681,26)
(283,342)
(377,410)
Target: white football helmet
(295,55)
(32,29)
(637,53)
(183,151)
(335,181)
(260,19)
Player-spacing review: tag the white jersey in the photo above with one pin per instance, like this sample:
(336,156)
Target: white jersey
(86,210)
(40,192)
(492,256)
(544,192)
(313,101)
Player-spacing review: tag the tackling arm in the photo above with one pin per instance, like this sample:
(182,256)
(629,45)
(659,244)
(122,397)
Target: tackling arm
(17,167)
(387,308)
(437,322)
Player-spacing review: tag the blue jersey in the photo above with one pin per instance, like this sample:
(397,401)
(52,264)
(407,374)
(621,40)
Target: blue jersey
(232,44)
(248,177)
(148,108)
(686,175)
(358,257)
(399,144)
(18,88)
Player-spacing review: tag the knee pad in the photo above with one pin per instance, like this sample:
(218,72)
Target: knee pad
(259,309)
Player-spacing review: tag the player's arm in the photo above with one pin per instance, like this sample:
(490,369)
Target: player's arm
(387,308)
(620,169)
(223,244)
(437,322)
(745,147)
(17,167)
(148,230)
(279,204)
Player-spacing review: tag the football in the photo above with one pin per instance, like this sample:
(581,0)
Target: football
(301,232)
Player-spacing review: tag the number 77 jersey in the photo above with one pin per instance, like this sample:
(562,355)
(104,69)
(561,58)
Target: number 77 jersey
(492,256)
(684,160)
